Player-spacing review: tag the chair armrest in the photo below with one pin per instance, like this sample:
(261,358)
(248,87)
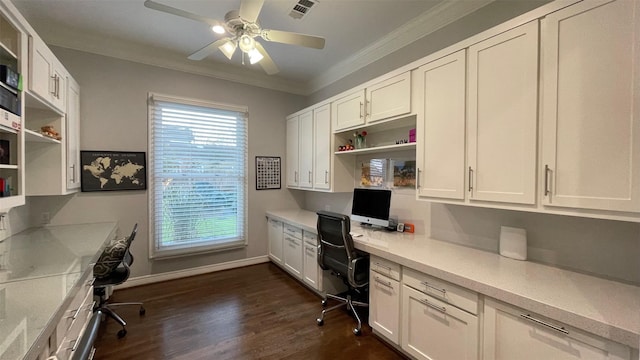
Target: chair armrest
(353,266)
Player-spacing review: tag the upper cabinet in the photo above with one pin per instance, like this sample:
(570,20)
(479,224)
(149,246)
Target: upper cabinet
(503,111)
(72,126)
(47,79)
(383,100)
(591,107)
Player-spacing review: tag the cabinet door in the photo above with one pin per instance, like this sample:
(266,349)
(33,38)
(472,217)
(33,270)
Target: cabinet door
(432,329)
(348,111)
(305,149)
(384,306)
(322,147)
(310,266)
(591,106)
(72,131)
(389,98)
(292,151)
(293,255)
(275,236)
(503,78)
(441,101)
(40,67)
(508,331)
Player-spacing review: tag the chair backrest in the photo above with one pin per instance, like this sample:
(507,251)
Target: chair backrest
(115,254)
(128,257)
(337,252)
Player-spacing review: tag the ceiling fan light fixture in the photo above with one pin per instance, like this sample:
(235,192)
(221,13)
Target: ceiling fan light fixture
(246,43)
(218,28)
(255,56)
(228,48)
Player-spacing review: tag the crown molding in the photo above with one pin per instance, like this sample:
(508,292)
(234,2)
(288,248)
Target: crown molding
(428,22)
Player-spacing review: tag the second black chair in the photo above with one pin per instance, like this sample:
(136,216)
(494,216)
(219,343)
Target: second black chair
(338,254)
(112,268)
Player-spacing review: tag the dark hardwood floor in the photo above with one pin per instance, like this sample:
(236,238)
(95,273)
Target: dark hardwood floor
(255,312)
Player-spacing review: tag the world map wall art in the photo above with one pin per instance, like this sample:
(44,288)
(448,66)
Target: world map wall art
(113,170)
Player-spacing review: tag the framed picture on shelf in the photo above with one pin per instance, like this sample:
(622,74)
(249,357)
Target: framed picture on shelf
(113,170)
(5,152)
(404,173)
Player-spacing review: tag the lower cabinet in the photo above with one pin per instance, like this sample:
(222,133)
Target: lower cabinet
(73,323)
(310,266)
(384,299)
(293,255)
(275,238)
(508,331)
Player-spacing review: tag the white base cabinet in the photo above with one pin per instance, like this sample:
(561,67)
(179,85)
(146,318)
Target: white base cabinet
(275,237)
(512,333)
(292,251)
(384,300)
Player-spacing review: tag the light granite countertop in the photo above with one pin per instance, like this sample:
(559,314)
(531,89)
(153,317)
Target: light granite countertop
(41,270)
(602,307)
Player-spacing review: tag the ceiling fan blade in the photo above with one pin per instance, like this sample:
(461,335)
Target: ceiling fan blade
(171,10)
(250,9)
(207,50)
(292,38)
(267,63)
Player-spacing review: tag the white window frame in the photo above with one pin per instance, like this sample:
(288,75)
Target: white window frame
(155,250)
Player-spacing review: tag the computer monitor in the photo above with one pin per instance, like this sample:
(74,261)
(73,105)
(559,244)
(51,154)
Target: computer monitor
(371,206)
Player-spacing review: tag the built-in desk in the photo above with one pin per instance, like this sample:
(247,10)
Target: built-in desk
(602,307)
(41,270)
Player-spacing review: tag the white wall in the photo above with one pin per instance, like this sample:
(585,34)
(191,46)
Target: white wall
(114,117)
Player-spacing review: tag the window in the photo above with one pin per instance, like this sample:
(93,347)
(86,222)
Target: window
(197,176)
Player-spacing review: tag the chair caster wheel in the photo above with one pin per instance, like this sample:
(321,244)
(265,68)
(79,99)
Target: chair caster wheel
(357,332)
(142,311)
(122,333)
(320,322)
(324,302)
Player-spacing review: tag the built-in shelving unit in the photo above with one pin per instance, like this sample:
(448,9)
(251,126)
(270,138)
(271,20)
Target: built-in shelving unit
(33,136)
(378,149)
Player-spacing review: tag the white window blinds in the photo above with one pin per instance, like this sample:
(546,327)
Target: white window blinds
(198,176)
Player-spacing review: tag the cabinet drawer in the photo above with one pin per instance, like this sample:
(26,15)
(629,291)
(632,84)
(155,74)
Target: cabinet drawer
(455,295)
(70,338)
(74,311)
(385,267)
(293,231)
(310,238)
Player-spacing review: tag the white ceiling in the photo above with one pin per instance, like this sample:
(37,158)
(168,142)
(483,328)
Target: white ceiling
(357,32)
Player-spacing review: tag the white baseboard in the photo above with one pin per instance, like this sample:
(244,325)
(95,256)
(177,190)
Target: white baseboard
(172,275)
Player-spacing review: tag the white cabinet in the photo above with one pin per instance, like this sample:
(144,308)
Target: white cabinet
(292,151)
(292,250)
(275,237)
(512,333)
(72,132)
(502,108)
(311,270)
(389,98)
(47,79)
(438,318)
(322,173)
(348,111)
(439,88)
(591,97)
(384,299)
(305,149)
(379,101)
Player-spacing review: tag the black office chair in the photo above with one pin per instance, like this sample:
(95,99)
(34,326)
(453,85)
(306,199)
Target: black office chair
(112,268)
(337,253)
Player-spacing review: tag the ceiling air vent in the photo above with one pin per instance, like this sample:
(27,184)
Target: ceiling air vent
(301,8)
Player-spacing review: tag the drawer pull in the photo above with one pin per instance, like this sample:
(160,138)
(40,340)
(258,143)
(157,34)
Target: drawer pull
(429,286)
(383,266)
(385,283)
(92,354)
(538,321)
(442,309)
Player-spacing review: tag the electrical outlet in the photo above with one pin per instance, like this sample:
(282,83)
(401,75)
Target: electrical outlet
(45,218)
(327,207)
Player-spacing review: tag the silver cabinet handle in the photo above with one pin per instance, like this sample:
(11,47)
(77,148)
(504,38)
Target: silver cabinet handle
(368,111)
(383,266)
(58,87)
(427,285)
(543,323)
(295,176)
(442,309)
(73,173)
(546,179)
(470,179)
(326,177)
(385,283)
(418,179)
(361,109)
(310,177)
(53,88)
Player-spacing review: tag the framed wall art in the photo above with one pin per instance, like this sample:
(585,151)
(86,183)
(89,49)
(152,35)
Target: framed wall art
(268,172)
(113,170)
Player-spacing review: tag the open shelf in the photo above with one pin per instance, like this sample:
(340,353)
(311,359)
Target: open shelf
(377,149)
(8,166)
(33,136)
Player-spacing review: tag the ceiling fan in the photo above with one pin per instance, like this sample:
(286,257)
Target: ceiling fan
(242,27)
